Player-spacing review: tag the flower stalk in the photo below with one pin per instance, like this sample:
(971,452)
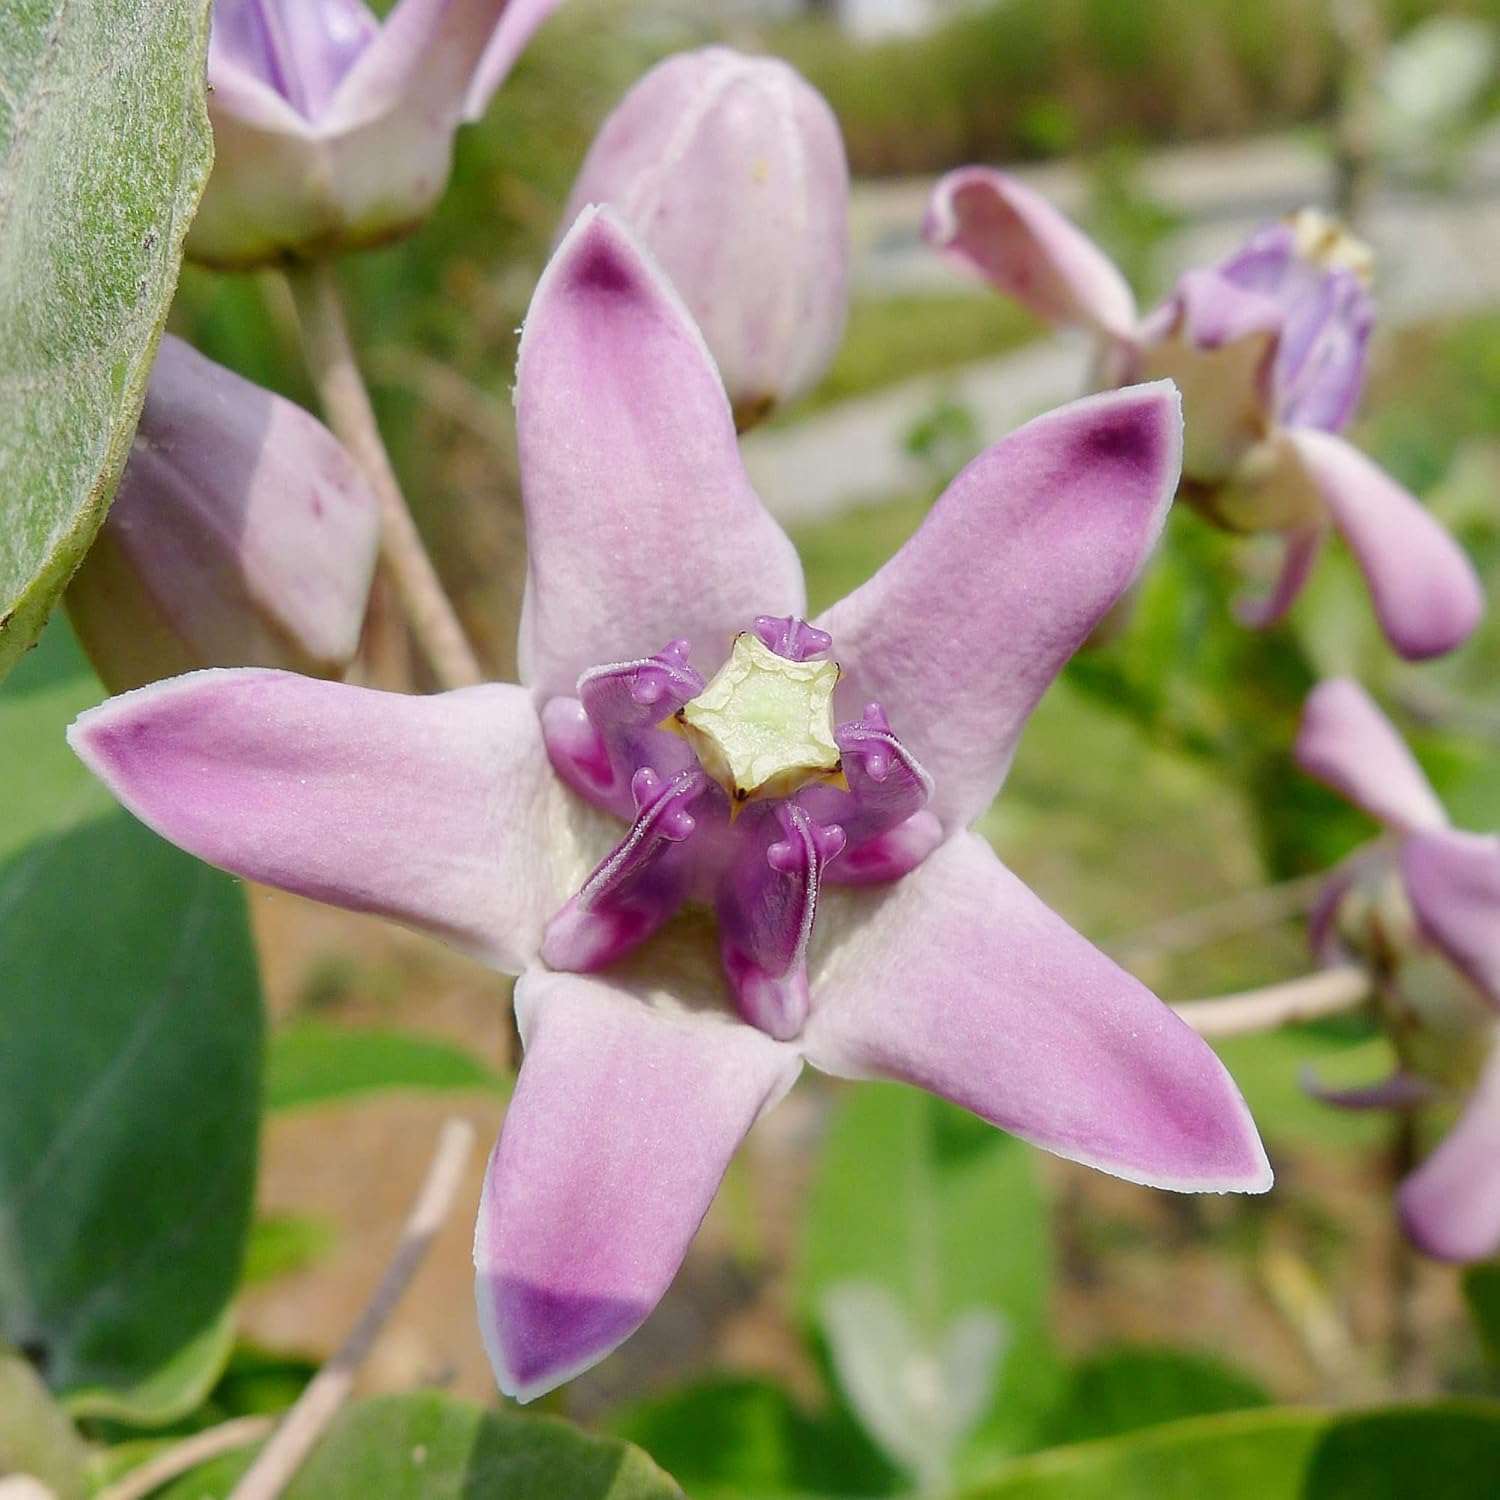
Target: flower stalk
(346,404)
(1329,992)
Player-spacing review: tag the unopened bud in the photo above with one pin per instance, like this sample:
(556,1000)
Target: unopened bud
(732,171)
(241,535)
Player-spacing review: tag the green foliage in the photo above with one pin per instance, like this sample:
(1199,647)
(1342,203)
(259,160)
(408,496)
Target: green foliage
(104,150)
(1121,1390)
(1482,1292)
(431,1447)
(36,1438)
(945,1214)
(311,1063)
(130,1075)
(734,1438)
(1440,1452)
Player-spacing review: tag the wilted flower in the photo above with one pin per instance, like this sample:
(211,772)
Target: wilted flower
(1268,348)
(859,925)
(242,535)
(731,170)
(1430,888)
(333,130)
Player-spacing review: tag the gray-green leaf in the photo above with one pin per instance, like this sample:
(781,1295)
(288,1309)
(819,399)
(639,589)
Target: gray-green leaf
(104,151)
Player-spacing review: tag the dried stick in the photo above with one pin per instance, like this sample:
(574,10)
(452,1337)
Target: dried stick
(187,1455)
(346,403)
(1326,993)
(306,1422)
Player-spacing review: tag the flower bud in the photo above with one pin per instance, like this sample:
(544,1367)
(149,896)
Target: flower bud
(732,171)
(241,535)
(334,131)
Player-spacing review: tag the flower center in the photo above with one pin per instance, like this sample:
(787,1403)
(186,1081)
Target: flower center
(742,794)
(1324,243)
(763,727)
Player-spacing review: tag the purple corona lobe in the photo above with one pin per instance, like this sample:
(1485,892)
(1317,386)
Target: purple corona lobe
(758,863)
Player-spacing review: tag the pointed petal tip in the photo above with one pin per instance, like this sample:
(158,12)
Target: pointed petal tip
(538,1339)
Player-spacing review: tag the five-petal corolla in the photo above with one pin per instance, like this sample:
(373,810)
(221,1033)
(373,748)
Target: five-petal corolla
(1428,887)
(563,830)
(1268,348)
(334,130)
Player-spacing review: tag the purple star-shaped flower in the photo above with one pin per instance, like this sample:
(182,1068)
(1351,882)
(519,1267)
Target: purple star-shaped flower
(696,892)
(1447,887)
(1268,348)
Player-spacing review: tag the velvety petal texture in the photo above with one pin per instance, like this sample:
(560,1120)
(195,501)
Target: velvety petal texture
(731,170)
(960,980)
(1426,593)
(963,630)
(623,1121)
(1451,1204)
(641,526)
(1010,235)
(440,812)
(1453,881)
(1346,742)
(241,535)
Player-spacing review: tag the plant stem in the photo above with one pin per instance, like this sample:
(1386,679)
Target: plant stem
(1246,911)
(186,1455)
(346,403)
(1326,993)
(316,1407)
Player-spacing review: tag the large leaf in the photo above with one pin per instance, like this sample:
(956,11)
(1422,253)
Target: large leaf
(1449,1451)
(945,1217)
(130,1080)
(104,150)
(312,1062)
(430,1447)
(1122,1389)
(736,1438)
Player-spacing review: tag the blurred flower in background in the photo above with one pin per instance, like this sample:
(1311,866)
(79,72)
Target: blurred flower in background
(333,130)
(1427,888)
(1269,348)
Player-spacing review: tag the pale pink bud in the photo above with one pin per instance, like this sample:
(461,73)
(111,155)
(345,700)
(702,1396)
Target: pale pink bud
(732,171)
(241,535)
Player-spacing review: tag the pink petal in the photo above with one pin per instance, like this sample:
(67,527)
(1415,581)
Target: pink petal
(1345,741)
(438,812)
(1399,1091)
(506,43)
(961,981)
(418,66)
(1451,1204)
(963,630)
(1453,880)
(640,523)
(1426,593)
(622,1123)
(1022,246)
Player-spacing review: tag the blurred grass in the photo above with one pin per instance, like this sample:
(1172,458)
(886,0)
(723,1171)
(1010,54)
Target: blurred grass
(1033,78)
